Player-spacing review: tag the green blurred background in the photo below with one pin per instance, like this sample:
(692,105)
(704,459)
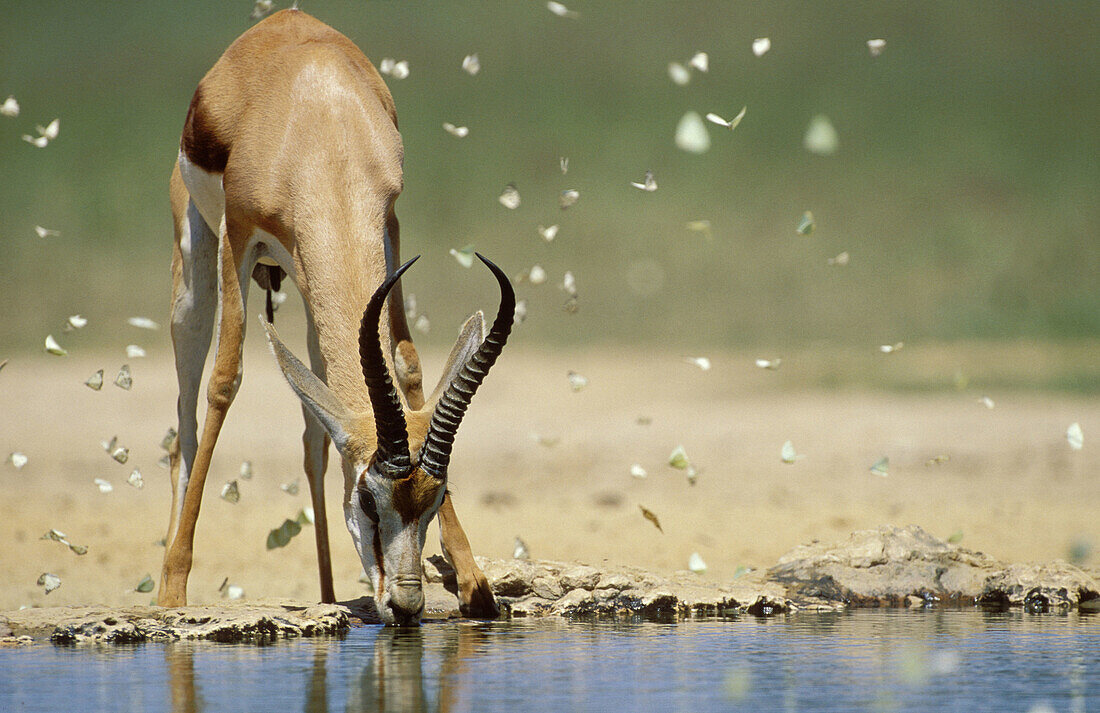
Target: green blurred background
(964,188)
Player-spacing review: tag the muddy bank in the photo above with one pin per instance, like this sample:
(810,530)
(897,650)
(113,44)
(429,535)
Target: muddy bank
(885,567)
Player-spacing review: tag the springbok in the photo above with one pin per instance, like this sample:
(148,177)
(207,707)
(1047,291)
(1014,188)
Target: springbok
(289,164)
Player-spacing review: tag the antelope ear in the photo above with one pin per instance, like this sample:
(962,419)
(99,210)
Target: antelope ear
(325,406)
(469,339)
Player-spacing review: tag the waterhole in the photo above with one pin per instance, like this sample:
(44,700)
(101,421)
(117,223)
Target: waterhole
(866,660)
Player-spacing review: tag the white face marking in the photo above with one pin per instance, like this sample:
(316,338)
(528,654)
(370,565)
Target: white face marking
(401,544)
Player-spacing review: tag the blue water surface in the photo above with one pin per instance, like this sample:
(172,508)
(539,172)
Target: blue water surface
(871,660)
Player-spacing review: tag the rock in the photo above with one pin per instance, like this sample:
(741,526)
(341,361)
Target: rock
(884,567)
(1057,586)
(547,587)
(615,580)
(888,566)
(526,607)
(230,622)
(510,578)
(580,577)
(894,566)
(575,601)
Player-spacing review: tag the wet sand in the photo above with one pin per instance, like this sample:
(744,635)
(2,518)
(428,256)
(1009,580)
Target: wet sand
(1012,487)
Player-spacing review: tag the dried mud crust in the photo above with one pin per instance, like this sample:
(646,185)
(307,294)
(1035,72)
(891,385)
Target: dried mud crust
(885,567)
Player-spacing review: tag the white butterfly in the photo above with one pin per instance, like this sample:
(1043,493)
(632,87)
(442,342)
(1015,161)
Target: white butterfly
(464,256)
(397,70)
(53,347)
(760,46)
(561,10)
(509,197)
(648,184)
(702,362)
(142,323)
(261,8)
(10,107)
(459,131)
(95,381)
(124,380)
(569,284)
(548,233)
(50,131)
(678,73)
(732,123)
(787,453)
(691,134)
(1075,437)
(821,137)
(471,64)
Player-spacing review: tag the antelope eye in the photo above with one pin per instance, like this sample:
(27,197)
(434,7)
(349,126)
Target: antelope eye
(366,502)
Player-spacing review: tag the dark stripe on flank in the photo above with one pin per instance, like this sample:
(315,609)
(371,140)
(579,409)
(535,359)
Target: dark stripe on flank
(200,141)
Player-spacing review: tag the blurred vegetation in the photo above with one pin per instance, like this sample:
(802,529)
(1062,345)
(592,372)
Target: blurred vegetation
(965,186)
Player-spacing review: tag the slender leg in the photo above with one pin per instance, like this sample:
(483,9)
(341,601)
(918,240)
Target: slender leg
(194,303)
(225,380)
(315,442)
(475,596)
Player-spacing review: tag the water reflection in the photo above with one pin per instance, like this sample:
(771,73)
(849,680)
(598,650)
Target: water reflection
(181,679)
(391,676)
(393,679)
(868,660)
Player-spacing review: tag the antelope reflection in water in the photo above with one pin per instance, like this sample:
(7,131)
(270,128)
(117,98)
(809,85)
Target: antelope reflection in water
(391,677)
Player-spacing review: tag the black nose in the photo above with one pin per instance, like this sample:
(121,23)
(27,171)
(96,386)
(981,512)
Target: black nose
(405,617)
(407,603)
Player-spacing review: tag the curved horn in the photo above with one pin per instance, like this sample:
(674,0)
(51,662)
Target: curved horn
(392,458)
(436,453)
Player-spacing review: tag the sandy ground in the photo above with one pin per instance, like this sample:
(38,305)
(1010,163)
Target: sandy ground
(1012,486)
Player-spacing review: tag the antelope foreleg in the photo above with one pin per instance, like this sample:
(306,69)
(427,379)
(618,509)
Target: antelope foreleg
(475,596)
(315,443)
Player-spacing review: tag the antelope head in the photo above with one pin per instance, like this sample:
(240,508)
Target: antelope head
(399,457)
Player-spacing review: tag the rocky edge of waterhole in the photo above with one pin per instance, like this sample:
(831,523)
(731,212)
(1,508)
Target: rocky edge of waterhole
(885,567)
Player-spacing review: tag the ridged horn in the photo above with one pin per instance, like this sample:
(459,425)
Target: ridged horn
(392,459)
(436,453)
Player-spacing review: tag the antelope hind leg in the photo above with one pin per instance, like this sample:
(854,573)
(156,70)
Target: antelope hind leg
(225,380)
(194,303)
